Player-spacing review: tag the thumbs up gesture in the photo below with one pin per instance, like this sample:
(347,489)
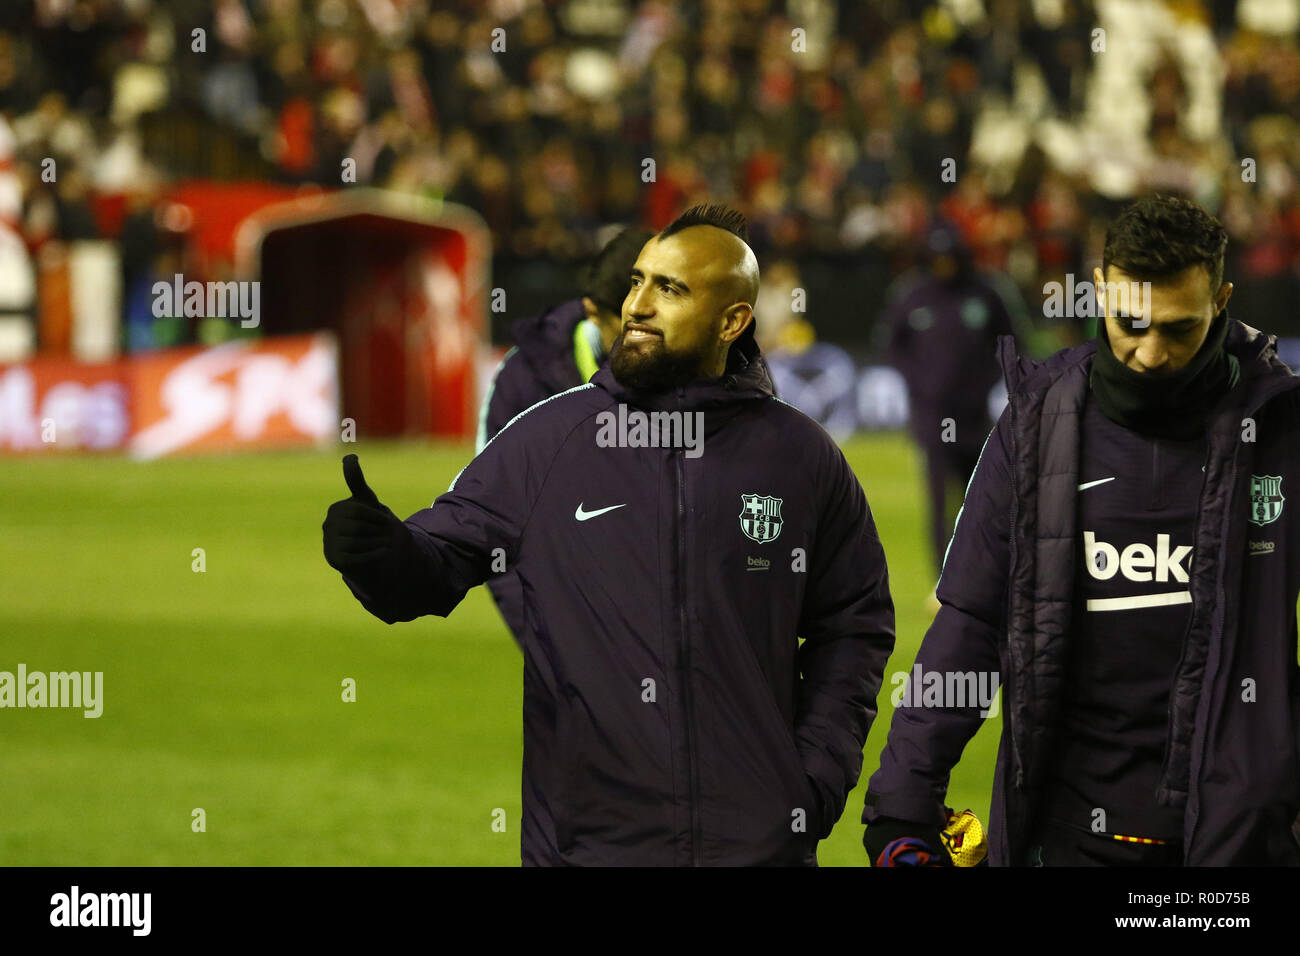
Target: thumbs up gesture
(359,531)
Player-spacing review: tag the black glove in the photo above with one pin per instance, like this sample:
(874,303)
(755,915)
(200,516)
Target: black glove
(886,830)
(361,534)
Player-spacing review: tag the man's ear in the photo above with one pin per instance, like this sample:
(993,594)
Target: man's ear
(1222,297)
(734,322)
(590,308)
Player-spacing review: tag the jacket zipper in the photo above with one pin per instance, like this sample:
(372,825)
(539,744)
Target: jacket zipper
(1011,695)
(691,774)
(1182,654)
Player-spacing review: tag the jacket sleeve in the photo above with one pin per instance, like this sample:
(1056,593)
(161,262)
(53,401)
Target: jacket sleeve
(925,742)
(847,626)
(466,535)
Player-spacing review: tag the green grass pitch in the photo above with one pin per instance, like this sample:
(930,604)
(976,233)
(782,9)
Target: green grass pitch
(222,688)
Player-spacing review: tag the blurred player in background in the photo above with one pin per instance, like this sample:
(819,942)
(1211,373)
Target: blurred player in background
(563,346)
(943,322)
(818,378)
(553,352)
(1125,561)
(671,715)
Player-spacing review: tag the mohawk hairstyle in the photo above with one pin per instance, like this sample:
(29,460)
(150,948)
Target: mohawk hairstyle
(709,214)
(1159,235)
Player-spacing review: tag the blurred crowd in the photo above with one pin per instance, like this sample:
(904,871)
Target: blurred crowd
(839,127)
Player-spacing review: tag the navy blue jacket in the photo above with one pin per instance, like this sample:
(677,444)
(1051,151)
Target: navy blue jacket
(1233,754)
(671,714)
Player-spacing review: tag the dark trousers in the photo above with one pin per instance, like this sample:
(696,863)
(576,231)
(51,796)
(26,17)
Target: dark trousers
(946,464)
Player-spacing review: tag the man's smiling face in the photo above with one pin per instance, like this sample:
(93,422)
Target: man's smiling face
(682,310)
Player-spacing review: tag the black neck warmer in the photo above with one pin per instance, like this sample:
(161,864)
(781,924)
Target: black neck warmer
(1168,406)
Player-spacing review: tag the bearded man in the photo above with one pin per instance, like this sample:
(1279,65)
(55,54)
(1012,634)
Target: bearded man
(677,531)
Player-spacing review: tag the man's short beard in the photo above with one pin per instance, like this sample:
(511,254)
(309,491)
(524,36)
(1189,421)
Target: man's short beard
(652,368)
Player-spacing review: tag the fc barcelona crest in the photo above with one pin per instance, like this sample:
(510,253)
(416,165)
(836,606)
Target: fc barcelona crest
(760,517)
(1266,499)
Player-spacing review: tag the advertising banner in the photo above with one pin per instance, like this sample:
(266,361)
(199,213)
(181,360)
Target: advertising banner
(60,403)
(277,392)
(280,391)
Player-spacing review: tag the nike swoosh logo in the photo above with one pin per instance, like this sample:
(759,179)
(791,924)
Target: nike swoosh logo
(584,515)
(1092,484)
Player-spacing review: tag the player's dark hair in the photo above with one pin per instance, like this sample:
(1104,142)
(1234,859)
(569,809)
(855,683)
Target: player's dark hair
(709,214)
(1159,236)
(606,278)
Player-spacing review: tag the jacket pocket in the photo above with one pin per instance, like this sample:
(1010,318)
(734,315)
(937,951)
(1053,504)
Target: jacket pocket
(781,739)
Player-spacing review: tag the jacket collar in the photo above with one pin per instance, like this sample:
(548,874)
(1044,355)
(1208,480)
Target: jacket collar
(747,377)
(1255,350)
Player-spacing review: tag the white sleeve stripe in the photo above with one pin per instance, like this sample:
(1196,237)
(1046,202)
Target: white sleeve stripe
(576,388)
(481,438)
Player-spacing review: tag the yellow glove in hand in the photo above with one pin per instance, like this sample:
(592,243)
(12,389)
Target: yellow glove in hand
(963,837)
